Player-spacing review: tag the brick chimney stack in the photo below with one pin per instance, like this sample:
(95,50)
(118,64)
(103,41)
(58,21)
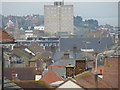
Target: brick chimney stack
(70,71)
(80,66)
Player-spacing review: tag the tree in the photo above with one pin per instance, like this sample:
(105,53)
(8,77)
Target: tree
(93,24)
(77,20)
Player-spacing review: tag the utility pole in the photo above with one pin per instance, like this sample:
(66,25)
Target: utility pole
(2,69)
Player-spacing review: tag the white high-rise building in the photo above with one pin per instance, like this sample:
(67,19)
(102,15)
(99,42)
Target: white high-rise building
(58,18)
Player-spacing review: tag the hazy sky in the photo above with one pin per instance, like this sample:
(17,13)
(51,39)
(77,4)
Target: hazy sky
(98,10)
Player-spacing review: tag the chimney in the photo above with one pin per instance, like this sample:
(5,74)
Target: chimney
(70,72)
(66,54)
(15,76)
(80,66)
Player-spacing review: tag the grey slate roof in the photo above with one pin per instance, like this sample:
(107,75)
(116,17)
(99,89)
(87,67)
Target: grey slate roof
(34,47)
(61,70)
(79,55)
(64,62)
(67,43)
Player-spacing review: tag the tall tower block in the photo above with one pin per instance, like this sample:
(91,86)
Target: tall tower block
(58,18)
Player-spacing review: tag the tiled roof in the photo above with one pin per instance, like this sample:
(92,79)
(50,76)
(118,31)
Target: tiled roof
(110,75)
(61,70)
(32,84)
(21,53)
(5,37)
(87,80)
(64,62)
(100,69)
(51,76)
(26,73)
(79,55)
(44,55)
(35,48)
(111,71)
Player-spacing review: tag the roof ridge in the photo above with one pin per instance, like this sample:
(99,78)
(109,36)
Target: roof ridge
(82,73)
(51,71)
(71,79)
(57,74)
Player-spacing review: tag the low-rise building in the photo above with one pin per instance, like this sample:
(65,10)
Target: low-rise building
(41,28)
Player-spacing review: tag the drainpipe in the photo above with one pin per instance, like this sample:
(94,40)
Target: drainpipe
(96,71)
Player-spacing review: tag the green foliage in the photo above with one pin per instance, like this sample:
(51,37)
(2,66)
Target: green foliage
(77,20)
(89,24)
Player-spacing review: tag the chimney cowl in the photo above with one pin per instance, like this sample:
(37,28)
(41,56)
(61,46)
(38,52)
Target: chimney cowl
(69,65)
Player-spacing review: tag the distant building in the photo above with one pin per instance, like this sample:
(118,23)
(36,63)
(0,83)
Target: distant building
(10,23)
(16,30)
(95,44)
(87,50)
(39,28)
(58,18)
(42,41)
(28,33)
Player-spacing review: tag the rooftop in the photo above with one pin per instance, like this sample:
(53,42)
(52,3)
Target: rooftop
(111,71)
(87,80)
(35,48)
(100,69)
(27,73)
(33,84)
(5,37)
(94,43)
(51,76)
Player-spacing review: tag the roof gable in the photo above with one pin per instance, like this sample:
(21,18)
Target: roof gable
(51,77)
(35,48)
(22,53)
(70,84)
(5,37)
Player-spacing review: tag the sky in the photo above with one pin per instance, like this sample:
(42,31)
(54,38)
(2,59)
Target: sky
(105,12)
(60,0)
